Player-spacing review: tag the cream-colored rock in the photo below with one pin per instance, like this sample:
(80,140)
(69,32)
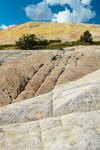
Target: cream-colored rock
(82,95)
(28,110)
(76,131)
(26,74)
(47,122)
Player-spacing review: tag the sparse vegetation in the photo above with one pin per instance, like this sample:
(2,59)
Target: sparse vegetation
(6,46)
(32,42)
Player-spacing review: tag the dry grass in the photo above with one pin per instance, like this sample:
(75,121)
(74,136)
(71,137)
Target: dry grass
(48,30)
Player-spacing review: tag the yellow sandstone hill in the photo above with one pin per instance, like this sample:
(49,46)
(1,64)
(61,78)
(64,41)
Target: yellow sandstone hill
(49,30)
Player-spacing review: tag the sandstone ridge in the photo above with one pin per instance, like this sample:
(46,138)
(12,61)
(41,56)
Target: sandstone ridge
(67,118)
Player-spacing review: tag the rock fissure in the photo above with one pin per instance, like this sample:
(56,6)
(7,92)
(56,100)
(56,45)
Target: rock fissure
(38,91)
(41,135)
(21,92)
(68,60)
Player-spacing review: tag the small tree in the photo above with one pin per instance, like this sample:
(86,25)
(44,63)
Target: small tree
(86,37)
(27,42)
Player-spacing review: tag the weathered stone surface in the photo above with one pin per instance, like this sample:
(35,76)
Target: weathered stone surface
(26,74)
(67,118)
(76,131)
(4,99)
(28,110)
(82,95)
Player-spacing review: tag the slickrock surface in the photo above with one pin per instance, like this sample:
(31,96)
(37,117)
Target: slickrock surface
(27,74)
(78,131)
(82,95)
(67,118)
(49,30)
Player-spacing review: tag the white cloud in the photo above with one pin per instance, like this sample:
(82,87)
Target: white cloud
(86,2)
(72,3)
(41,11)
(5,27)
(78,16)
(81,11)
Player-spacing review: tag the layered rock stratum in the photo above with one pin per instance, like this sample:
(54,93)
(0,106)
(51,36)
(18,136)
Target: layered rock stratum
(50,100)
(27,74)
(49,30)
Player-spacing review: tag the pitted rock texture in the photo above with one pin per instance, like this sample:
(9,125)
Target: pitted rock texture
(27,74)
(67,118)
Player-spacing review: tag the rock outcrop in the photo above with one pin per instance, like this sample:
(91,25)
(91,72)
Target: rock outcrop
(67,118)
(27,74)
(50,100)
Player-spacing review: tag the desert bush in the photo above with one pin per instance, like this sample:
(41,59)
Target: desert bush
(98,43)
(44,42)
(2,47)
(54,41)
(27,42)
(31,42)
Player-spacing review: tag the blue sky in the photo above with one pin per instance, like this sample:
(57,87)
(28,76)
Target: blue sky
(15,12)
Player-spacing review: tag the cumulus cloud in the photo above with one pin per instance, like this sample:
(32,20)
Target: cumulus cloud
(86,2)
(5,27)
(81,11)
(78,16)
(72,3)
(41,11)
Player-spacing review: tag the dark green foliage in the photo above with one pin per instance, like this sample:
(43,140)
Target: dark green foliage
(31,42)
(27,42)
(96,42)
(43,42)
(54,41)
(2,47)
(58,41)
(86,37)
(76,43)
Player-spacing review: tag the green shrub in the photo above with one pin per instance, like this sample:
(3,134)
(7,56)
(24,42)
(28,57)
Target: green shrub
(98,43)
(43,42)
(7,46)
(54,41)
(31,42)
(27,42)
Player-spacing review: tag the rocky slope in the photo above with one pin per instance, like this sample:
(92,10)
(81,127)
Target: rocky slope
(50,99)
(49,30)
(67,118)
(27,74)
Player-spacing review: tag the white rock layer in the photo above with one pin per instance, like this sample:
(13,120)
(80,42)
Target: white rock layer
(68,118)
